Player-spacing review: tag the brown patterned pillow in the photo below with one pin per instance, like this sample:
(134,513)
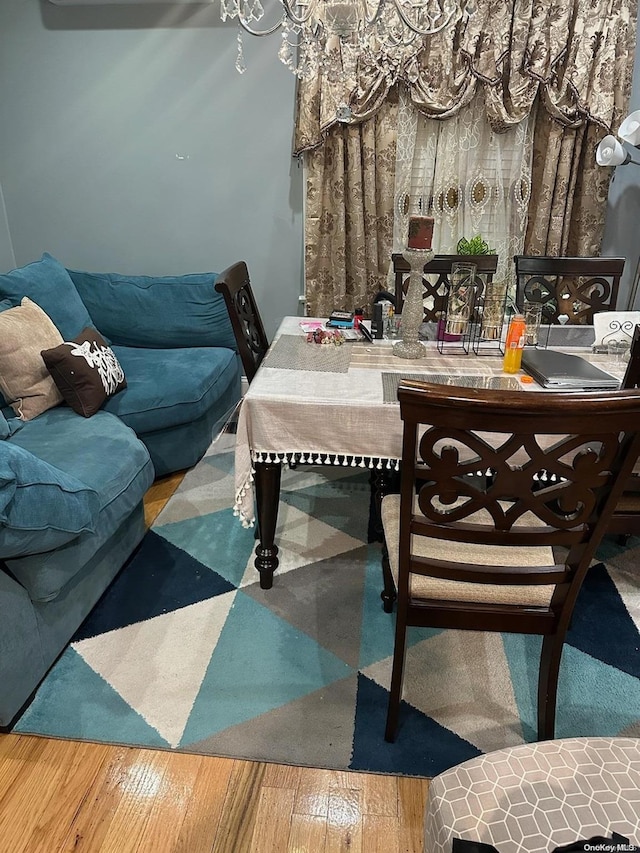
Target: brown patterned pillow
(86,371)
(24,380)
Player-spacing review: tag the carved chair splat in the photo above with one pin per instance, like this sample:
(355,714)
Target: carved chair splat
(576,288)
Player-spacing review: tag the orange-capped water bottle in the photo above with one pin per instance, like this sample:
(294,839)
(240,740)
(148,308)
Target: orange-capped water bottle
(514,344)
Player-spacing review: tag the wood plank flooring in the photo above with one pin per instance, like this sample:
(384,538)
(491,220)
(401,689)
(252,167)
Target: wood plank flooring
(59,796)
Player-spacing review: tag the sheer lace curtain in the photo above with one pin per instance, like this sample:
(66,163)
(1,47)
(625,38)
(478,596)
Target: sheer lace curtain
(469,178)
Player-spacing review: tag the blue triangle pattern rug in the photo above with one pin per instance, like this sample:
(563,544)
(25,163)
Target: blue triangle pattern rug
(186,652)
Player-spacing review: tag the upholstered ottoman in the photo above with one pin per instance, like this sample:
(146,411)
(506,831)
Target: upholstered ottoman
(535,797)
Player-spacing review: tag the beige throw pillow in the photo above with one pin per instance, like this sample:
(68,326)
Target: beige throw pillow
(25,381)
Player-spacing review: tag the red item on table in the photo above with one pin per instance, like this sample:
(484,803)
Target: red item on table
(420,232)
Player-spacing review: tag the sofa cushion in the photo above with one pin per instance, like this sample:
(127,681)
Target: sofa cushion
(147,311)
(41,507)
(4,427)
(46,576)
(24,380)
(86,371)
(100,451)
(104,454)
(170,387)
(47,283)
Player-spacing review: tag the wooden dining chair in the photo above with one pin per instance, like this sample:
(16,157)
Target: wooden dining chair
(576,288)
(436,280)
(493,553)
(235,286)
(251,339)
(625,520)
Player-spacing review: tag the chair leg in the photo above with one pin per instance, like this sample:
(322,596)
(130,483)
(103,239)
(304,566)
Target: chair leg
(388,594)
(382,482)
(395,693)
(548,684)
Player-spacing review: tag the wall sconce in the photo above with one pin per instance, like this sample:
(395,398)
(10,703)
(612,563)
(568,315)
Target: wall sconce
(611,152)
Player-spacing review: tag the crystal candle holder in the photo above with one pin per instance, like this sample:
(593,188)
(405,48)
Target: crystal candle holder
(413,307)
(461,298)
(493,310)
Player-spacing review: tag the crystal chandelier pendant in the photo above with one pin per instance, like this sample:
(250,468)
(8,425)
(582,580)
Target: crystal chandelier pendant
(333,37)
(240,63)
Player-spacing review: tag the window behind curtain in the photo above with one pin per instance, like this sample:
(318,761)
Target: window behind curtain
(470,179)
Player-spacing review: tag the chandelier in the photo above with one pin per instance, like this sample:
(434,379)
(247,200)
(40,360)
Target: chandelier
(331,36)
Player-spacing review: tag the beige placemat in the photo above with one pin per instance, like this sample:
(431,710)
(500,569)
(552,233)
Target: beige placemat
(292,352)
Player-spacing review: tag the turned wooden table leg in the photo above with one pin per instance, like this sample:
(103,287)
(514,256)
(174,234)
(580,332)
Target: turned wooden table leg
(267,485)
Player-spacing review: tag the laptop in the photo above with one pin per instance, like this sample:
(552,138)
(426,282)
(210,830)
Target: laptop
(565,372)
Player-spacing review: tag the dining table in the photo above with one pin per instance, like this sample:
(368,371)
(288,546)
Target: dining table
(329,404)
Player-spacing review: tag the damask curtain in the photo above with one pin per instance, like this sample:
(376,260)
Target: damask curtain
(573,60)
(569,190)
(349,214)
(577,56)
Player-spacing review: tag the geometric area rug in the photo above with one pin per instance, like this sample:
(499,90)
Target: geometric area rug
(185,652)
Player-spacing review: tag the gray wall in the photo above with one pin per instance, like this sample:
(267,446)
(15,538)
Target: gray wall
(7,257)
(129,143)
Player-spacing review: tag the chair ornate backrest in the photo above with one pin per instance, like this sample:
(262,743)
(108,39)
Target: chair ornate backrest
(436,280)
(573,287)
(235,286)
(588,441)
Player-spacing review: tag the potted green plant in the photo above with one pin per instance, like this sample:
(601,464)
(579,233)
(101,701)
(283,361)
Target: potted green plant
(477,251)
(475,246)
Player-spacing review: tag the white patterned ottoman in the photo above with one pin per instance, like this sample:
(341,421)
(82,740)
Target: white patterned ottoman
(533,798)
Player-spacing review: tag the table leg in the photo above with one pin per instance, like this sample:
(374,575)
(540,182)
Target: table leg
(267,485)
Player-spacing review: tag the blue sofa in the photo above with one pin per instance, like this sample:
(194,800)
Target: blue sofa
(71,487)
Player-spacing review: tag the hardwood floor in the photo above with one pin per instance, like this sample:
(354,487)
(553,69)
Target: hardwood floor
(58,795)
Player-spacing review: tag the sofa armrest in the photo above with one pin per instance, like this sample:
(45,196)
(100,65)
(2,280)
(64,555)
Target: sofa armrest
(41,507)
(156,312)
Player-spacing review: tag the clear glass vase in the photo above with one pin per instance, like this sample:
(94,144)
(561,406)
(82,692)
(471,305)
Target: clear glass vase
(461,298)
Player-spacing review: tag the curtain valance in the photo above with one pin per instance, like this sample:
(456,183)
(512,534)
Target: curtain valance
(578,55)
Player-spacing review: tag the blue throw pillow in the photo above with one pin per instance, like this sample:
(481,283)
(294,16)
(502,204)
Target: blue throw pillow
(47,283)
(161,312)
(41,507)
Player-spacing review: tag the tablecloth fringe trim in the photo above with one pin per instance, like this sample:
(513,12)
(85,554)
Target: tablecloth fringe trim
(246,520)
(345,460)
